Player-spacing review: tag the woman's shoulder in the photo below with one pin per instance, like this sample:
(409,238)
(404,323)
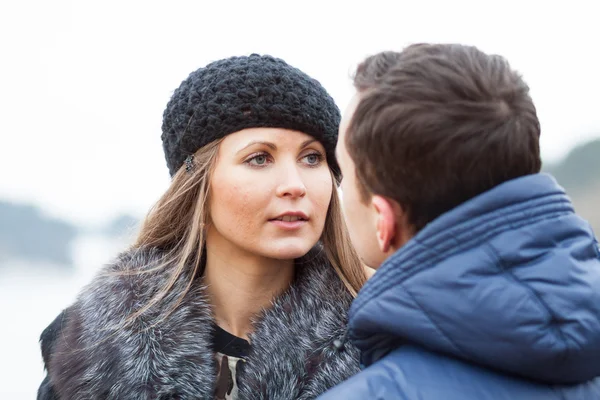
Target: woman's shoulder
(102,331)
(119,289)
(112,292)
(122,283)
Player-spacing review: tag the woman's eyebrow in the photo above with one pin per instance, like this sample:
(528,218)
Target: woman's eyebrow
(307,142)
(254,142)
(272,145)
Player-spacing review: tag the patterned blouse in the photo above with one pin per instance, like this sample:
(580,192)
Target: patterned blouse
(230,351)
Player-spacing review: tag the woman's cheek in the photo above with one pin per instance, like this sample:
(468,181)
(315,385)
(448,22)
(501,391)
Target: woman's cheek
(322,191)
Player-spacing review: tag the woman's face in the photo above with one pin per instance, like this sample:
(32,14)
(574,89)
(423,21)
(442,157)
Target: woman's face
(270,191)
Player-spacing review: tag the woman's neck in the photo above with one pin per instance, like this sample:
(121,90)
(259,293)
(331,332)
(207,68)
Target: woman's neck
(241,285)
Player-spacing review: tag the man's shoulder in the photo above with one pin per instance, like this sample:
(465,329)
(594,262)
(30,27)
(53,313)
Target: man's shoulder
(389,378)
(412,372)
(371,383)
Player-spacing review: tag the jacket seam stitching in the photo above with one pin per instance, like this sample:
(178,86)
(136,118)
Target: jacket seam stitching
(532,294)
(435,325)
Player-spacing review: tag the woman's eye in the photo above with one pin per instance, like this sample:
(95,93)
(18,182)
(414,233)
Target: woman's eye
(313,159)
(259,160)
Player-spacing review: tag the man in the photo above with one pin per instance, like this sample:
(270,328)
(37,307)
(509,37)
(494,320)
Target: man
(488,283)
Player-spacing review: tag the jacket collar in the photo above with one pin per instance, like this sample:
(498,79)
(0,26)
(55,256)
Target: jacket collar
(509,280)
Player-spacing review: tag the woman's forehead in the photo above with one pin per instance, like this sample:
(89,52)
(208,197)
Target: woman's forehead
(271,137)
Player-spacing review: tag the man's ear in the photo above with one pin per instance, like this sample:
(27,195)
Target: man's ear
(386,222)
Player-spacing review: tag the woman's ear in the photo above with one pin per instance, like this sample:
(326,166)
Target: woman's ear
(386,222)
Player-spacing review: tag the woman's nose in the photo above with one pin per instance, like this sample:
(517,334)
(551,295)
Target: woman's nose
(291,184)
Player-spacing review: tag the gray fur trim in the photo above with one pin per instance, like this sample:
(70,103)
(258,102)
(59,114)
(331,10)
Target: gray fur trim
(89,355)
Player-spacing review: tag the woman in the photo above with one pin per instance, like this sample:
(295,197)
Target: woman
(239,282)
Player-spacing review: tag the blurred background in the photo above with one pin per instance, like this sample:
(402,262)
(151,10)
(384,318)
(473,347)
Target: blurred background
(83,85)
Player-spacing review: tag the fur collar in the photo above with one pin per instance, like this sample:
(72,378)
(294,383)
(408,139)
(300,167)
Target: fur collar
(88,354)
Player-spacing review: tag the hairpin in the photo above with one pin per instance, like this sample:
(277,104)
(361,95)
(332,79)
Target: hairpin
(189,163)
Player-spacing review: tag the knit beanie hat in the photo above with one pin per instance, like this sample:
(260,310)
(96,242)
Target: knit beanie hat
(246,92)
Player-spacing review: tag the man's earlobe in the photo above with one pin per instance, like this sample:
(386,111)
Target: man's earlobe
(382,234)
(386,222)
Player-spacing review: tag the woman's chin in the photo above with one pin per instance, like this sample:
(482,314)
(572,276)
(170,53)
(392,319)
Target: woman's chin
(288,250)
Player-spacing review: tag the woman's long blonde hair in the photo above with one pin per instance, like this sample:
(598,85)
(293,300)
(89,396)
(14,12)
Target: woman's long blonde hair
(177,225)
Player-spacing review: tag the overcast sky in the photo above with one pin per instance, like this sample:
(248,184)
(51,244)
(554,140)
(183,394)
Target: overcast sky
(83,84)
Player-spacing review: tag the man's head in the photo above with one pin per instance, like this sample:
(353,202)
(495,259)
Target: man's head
(428,129)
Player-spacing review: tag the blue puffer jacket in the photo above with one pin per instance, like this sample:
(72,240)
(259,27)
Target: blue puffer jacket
(496,299)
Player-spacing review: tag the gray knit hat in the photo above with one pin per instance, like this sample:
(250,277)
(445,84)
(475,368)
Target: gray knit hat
(246,92)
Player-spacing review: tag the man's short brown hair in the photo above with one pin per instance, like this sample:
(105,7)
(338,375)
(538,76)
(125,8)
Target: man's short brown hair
(438,124)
